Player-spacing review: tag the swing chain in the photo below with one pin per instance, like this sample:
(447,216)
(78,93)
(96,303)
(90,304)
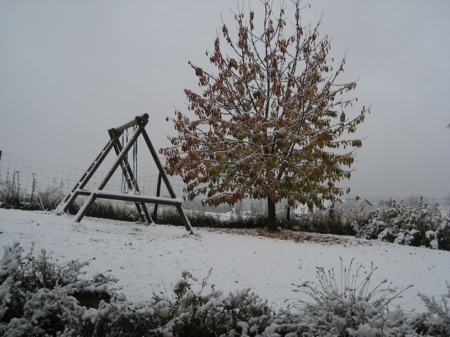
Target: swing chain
(135,159)
(126,179)
(124,140)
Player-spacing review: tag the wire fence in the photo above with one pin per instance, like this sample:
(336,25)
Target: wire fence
(27,177)
(30,176)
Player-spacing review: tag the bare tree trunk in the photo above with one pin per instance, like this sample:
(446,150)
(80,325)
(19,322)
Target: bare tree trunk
(271,215)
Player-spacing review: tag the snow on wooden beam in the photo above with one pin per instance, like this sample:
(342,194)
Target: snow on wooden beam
(131,197)
(131,123)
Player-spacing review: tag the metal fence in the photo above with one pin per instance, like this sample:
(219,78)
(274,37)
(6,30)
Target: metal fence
(28,176)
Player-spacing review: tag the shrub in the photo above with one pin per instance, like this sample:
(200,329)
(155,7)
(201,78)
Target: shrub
(437,320)
(442,235)
(200,313)
(346,305)
(11,195)
(412,226)
(340,218)
(39,297)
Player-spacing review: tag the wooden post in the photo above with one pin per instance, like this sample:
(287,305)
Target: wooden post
(163,174)
(158,193)
(67,201)
(108,175)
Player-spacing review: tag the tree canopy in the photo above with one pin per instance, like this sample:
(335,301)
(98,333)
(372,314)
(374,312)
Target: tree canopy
(271,122)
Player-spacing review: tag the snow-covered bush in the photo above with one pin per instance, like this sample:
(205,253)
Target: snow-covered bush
(442,235)
(40,297)
(11,195)
(120,318)
(374,228)
(346,305)
(198,312)
(437,320)
(412,226)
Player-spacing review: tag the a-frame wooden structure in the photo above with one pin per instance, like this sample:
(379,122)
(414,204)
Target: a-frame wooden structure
(140,200)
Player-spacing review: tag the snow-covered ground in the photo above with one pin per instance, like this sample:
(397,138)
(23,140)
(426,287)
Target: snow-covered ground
(149,259)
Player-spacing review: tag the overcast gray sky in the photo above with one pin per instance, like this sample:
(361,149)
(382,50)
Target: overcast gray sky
(70,70)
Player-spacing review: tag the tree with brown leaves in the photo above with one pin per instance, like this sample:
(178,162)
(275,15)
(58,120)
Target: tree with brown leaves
(270,122)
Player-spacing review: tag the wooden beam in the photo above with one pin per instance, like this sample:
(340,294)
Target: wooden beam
(158,193)
(137,120)
(67,201)
(131,197)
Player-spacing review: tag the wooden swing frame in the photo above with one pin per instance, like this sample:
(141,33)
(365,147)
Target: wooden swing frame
(139,122)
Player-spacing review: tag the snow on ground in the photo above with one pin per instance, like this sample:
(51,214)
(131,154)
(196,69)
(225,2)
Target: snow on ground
(149,259)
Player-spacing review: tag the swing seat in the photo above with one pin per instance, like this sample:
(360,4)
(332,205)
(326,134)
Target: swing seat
(132,193)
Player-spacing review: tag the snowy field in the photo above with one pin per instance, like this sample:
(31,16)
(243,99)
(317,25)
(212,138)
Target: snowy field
(149,259)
